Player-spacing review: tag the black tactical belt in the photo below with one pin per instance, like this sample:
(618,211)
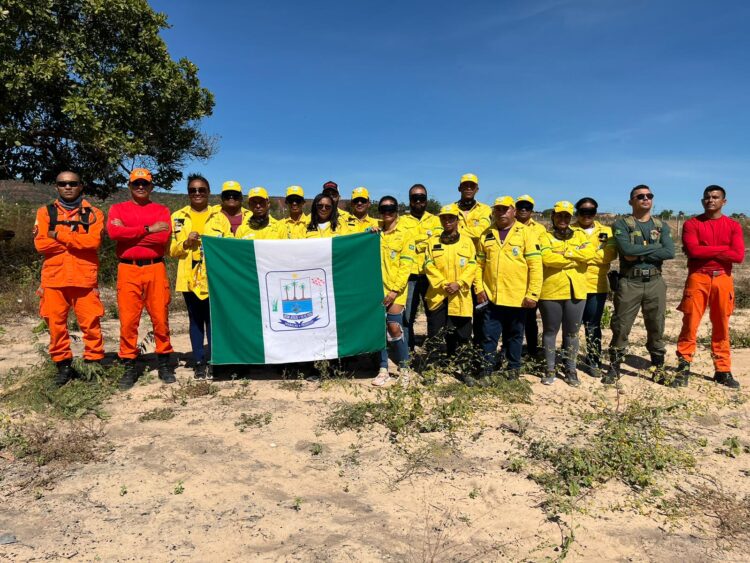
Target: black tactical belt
(141,262)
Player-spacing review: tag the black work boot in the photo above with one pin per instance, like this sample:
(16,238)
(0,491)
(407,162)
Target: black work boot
(131,374)
(613,374)
(725,378)
(199,371)
(683,373)
(571,378)
(166,373)
(513,374)
(65,372)
(659,374)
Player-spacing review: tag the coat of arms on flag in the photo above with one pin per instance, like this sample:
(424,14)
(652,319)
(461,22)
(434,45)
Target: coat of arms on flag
(297,300)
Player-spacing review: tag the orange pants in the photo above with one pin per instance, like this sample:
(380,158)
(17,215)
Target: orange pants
(716,292)
(54,307)
(138,286)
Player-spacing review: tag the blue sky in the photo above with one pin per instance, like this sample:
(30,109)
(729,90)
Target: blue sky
(556,98)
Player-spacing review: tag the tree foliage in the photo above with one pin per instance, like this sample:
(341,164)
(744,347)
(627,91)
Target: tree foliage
(89,85)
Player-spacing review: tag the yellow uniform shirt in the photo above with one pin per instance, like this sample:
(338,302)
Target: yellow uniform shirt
(511,270)
(290,229)
(326,232)
(218,224)
(565,264)
(397,254)
(421,229)
(354,225)
(248,232)
(536,227)
(447,263)
(344,215)
(475,221)
(606,252)
(189,267)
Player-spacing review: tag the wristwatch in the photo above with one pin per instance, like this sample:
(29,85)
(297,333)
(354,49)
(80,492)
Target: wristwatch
(147,229)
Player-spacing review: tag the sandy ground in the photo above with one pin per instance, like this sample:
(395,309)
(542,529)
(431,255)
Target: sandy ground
(197,488)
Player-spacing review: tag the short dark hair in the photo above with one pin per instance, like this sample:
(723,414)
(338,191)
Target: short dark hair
(638,187)
(417,186)
(387,198)
(715,188)
(192,177)
(585,200)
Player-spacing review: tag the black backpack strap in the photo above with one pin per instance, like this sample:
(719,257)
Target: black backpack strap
(52,212)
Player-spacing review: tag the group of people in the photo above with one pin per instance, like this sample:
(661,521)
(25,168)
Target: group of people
(481,273)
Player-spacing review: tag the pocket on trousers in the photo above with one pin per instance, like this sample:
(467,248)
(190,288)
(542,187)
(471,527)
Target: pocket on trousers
(686,301)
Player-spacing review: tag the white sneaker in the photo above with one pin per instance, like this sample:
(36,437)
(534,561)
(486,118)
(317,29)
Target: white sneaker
(382,378)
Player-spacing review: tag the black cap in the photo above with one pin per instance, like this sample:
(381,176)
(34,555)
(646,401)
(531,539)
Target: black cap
(331,185)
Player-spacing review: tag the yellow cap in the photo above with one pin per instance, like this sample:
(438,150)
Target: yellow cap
(505,201)
(450,209)
(469,178)
(564,207)
(258,191)
(360,192)
(231,186)
(526,197)
(295,190)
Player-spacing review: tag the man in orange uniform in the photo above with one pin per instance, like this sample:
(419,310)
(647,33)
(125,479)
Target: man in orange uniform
(68,232)
(142,229)
(712,242)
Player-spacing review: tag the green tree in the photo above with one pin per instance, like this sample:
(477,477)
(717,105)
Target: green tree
(666,214)
(90,85)
(433,206)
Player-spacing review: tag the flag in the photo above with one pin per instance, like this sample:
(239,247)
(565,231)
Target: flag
(280,301)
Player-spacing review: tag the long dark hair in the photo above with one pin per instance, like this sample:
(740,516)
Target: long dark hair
(315,217)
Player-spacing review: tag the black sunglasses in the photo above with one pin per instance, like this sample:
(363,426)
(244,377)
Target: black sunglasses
(522,206)
(197,191)
(418,197)
(324,206)
(358,200)
(388,208)
(74,184)
(641,197)
(295,200)
(140,184)
(231,195)
(587,211)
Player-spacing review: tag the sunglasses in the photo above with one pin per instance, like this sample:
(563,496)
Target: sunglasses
(71,184)
(524,207)
(231,195)
(418,197)
(140,184)
(641,197)
(295,200)
(324,206)
(359,200)
(388,208)
(197,191)
(587,211)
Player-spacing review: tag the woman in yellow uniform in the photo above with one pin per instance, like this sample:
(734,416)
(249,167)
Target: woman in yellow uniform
(397,254)
(566,253)
(325,221)
(450,266)
(600,237)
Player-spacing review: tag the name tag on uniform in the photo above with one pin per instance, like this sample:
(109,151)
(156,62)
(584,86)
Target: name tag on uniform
(462,262)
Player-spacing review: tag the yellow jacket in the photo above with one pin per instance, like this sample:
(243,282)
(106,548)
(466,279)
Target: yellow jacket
(328,233)
(536,227)
(247,232)
(475,221)
(397,254)
(344,215)
(446,263)
(218,224)
(190,274)
(354,225)
(565,264)
(421,229)
(606,252)
(289,229)
(510,271)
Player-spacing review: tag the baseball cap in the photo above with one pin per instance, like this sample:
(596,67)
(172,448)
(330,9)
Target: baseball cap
(257,191)
(450,209)
(469,178)
(140,174)
(505,201)
(525,197)
(295,190)
(331,185)
(360,192)
(564,207)
(231,186)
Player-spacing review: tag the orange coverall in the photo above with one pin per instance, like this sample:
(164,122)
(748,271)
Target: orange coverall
(69,279)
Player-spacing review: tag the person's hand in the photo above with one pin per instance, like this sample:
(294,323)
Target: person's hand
(373,229)
(193,241)
(528,303)
(117,223)
(389,299)
(158,227)
(52,234)
(630,258)
(452,288)
(482,297)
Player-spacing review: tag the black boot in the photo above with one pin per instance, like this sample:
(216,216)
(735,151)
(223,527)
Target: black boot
(199,371)
(660,374)
(513,374)
(65,372)
(613,374)
(725,378)
(166,373)
(571,378)
(131,374)
(683,373)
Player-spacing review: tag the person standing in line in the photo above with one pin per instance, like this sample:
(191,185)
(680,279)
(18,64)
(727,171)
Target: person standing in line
(68,233)
(423,225)
(294,226)
(188,225)
(141,229)
(509,279)
(231,214)
(643,244)
(331,189)
(524,215)
(397,253)
(566,253)
(359,221)
(450,267)
(600,236)
(260,225)
(712,242)
(325,221)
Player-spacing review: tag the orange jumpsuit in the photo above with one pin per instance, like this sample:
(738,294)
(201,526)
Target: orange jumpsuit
(69,278)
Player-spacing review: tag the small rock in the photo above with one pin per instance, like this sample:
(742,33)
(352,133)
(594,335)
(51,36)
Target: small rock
(6,539)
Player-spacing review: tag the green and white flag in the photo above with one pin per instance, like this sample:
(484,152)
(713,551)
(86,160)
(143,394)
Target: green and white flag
(279,301)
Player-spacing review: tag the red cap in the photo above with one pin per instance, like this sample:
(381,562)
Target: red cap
(331,185)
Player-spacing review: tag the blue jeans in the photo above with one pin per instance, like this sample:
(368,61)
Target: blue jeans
(592,322)
(510,322)
(417,289)
(199,315)
(398,347)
